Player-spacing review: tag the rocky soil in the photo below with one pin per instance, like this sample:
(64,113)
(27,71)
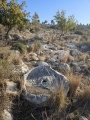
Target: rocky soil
(40,72)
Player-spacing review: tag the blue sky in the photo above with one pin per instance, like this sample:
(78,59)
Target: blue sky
(46,9)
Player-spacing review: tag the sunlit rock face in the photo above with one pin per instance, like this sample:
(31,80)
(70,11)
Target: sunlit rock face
(7,115)
(41,81)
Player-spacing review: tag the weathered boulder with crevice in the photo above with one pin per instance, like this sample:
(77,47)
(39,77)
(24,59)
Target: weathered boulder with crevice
(40,82)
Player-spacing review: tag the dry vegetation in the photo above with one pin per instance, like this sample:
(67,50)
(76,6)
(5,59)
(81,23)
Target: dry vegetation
(82,57)
(58,99)
(84,97)
(74,82)
(60,106)
(35,46)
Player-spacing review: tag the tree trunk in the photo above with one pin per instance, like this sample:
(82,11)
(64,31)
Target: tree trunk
(7,33)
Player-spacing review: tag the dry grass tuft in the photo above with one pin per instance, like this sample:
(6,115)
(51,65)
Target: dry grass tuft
(16,60)
(74,82)
(25,57)
(58,99)
(82,58)
(5,69)
(35,46)
(85,96)
(66,58)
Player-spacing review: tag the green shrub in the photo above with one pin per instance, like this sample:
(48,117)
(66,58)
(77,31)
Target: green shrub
(19,46)
(32,30)
(79,32)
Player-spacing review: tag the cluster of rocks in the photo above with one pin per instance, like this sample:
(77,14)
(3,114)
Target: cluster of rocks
(42,80)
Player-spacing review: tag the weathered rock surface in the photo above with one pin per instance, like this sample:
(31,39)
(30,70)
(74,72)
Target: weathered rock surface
(85,47)
(71,45)
(22,68)
(83,118)
(75,53)
(7,116)
(41,81)
(42,64)
(64,67)
(11,88)
(63,55)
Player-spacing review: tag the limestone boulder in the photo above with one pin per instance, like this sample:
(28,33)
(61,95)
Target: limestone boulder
(41,81)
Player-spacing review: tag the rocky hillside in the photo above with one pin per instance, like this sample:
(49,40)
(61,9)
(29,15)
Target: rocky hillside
(45,75)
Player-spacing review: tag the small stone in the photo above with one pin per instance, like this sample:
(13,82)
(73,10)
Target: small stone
(11,88)
(7,115)
(83,118)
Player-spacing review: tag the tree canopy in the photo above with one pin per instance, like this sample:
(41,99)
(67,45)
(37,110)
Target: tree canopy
(63,23)
(12,14)
(35,22)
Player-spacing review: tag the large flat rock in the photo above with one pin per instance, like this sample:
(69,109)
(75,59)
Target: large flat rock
(41,81)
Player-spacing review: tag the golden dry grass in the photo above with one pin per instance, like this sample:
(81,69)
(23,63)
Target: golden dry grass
(58,99)
(5,69)
(85,95)
(65,59)
(74,82)
(35,46)
(16,60)
(25,57)
(82,58)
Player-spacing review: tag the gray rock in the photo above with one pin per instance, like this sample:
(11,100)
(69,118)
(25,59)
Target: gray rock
(41,81)
(17,37)
(22,68)
(71,59)
(42,64)
(75,53)
(79,63)
(71,45)
(84,47)
(88,60)
(83,118)
(64,67)
(76,67)
(7,115)
(11,88)
(10,37)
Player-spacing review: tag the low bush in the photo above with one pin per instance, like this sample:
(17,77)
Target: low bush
(19,46)
(79,32)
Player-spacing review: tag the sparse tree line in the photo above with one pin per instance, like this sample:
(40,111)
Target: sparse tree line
(13,14)
(65,24)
